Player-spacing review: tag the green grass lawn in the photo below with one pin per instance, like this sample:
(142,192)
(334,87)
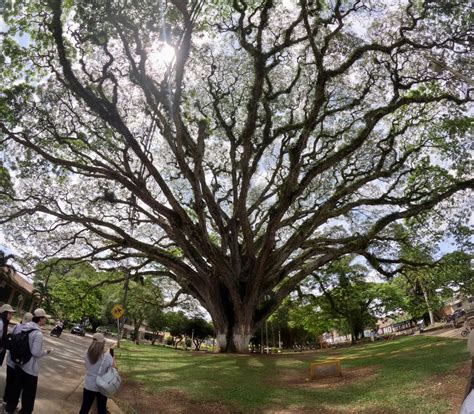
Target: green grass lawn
(394,376)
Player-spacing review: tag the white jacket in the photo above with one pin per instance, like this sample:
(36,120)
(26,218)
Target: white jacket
(36,348)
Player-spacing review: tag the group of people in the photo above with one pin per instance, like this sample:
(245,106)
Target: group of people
(22,376)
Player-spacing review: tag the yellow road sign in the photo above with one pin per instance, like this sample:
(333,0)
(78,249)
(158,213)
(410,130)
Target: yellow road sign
(118,311)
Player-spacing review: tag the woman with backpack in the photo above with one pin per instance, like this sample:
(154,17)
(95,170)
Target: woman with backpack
(97,363)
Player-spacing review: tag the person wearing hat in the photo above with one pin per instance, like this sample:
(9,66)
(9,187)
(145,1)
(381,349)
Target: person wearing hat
(97,363)
(24,378)
(27,317)
(6,313)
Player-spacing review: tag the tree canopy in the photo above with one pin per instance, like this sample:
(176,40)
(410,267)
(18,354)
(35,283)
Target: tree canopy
(236,147)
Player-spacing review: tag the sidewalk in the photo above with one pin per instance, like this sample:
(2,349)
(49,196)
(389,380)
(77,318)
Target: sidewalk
(446,333)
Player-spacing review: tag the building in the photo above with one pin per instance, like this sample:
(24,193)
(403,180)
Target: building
(16,291)
(459,303)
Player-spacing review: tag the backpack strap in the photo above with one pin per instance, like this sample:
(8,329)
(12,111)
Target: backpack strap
(27,333)
(101,364)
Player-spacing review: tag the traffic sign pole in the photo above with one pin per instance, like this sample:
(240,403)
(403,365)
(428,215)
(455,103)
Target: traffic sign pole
(117,313)
(118,332)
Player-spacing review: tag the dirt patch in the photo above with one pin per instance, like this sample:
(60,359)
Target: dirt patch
(322,410)
(450,387)
(298,379)
(133,399)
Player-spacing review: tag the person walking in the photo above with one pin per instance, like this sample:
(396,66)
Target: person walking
(24,378)
(97,363)
(27,317)
(6,314)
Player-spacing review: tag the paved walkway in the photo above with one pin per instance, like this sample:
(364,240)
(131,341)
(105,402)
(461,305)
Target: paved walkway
(61,376)
(447,333)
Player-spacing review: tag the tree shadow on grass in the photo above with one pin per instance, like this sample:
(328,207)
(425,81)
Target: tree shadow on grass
(252,382)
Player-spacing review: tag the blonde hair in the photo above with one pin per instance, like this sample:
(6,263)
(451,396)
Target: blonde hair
(27,317)
(96,349)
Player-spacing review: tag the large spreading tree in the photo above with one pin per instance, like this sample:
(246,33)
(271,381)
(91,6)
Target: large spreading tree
(234,146)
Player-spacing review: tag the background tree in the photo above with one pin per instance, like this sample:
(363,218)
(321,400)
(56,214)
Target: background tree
(236,147)
(198,329)
(67,290)
(430,282)
(156,322)
(144,299)
(346,299)
(43,292)
(176,323)
(295,324)
(455,274)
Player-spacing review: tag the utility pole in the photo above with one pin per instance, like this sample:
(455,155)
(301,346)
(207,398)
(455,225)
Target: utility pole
(266,335)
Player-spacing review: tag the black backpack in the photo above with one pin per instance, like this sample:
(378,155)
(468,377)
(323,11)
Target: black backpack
(19,346)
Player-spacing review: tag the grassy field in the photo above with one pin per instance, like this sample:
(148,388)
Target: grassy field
(409,375)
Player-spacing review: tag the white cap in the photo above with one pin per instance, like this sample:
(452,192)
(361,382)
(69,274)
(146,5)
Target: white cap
(7,308)
(40,313)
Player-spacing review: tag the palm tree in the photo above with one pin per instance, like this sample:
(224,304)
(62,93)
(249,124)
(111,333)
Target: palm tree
(6,270)
(41,290)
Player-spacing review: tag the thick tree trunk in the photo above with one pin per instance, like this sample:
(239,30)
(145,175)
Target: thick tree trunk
(234,316)
(234,338)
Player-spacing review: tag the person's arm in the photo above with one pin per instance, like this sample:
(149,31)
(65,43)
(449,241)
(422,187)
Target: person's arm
(36,347)
(110,361)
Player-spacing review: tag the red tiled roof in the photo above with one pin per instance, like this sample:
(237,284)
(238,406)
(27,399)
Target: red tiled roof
(20,282)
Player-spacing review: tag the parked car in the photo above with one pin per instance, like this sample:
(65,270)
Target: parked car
(470,313)
(459,317)
(103,329)
(78,330)
(457,314)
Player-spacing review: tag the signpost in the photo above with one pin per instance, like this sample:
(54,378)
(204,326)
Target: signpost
(117,313)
